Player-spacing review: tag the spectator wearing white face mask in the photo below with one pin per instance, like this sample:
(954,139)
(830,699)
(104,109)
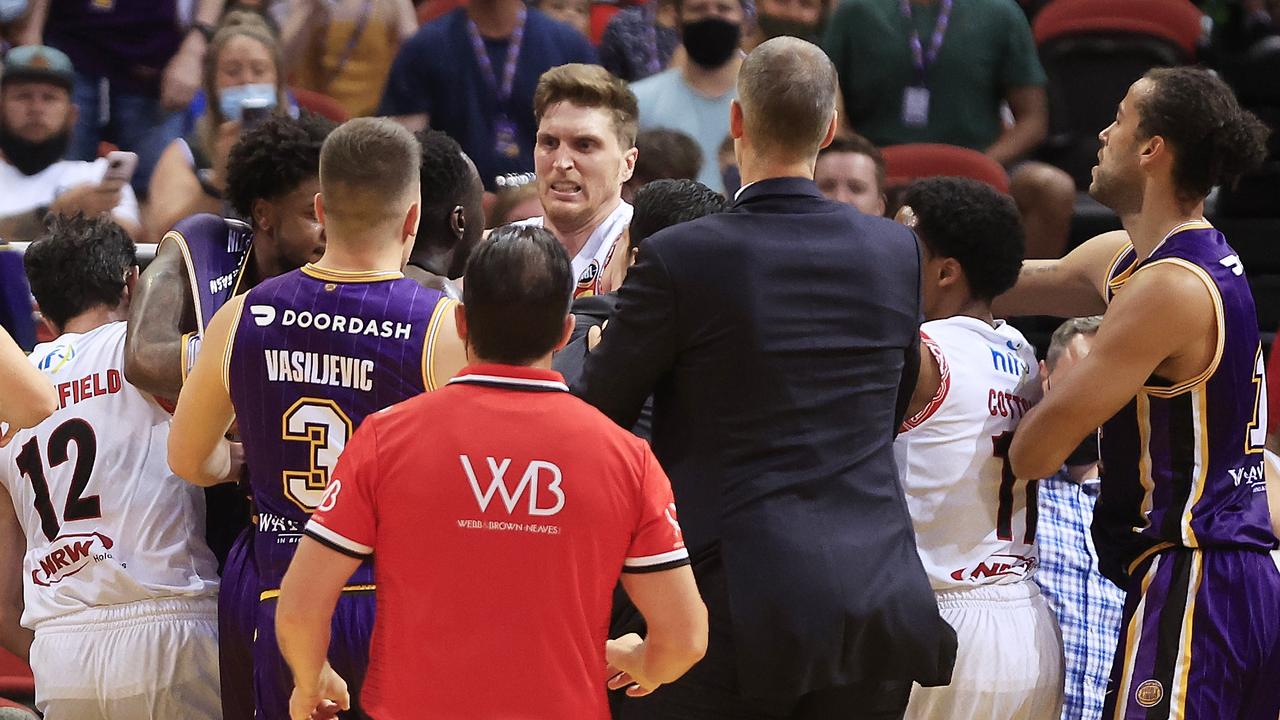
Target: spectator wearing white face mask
(242,67)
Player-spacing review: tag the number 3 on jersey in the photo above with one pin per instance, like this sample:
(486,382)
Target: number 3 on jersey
(325,428)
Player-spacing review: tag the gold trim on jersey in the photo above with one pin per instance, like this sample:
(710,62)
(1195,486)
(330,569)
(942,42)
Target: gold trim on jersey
(429,346)
(185,341)
(273,594)
(1200,470)
(1182,666)
(190,266)
(231,344)
(1115,282)
(332,275)
(1259,379)
(1132,637)
(1219,316)
(1148,553)
(1143,412)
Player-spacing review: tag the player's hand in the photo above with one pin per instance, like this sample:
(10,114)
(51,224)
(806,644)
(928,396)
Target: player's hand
(625,656)
(595,334)
(324,701)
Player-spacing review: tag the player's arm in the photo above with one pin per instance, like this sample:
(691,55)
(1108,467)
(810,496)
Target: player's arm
(160,305)
(1071,286)
(304,614)
(677,631)
(26,397)
(928,381)
(13,637)
(1137,334)
(199,451)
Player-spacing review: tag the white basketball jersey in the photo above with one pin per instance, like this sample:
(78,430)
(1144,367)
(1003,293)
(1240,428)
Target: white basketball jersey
(975,523)
(106,522)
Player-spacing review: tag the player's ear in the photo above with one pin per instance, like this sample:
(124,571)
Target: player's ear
(319,203)
(458,221)
(570,321)
(411,218)
(735,120)
(261,212)
(460,320)
(949,272)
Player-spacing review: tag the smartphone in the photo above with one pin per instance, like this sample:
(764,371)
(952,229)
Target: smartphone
(253,111)
(120,166)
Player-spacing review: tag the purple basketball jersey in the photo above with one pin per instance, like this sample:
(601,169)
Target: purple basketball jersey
(313,353)
(1183,463)
(215,251)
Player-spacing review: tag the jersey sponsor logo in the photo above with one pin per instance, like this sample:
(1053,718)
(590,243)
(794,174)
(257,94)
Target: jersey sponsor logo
(1232,263)
(277,524)
(90,386)
(1149,693)
(1253,475)
(536,473)
(223,282)
(1006,404)
(1008,361)
(996,566)
(297,366)
(57,358)
(70,555)
(265,315)
(330,497)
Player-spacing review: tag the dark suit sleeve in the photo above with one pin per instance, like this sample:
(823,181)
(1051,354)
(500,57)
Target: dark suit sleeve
(911,360)
(639,344)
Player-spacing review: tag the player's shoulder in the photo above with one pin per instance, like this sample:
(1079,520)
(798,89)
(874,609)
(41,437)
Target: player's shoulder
(205,225)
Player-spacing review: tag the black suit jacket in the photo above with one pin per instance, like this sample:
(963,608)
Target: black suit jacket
(774,338)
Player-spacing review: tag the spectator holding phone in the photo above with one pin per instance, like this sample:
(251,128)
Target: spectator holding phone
(36,117)
(242,69)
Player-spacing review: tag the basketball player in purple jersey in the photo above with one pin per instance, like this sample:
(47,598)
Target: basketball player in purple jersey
(273,176)
(1176,381)
(301,359)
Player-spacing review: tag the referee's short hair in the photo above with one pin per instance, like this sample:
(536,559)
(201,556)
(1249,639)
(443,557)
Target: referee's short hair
(518,289)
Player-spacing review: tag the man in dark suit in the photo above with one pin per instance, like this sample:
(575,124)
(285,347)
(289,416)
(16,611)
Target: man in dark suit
(780,342)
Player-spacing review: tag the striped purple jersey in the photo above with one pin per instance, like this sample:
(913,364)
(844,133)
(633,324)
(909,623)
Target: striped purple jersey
(313,353)
(215,251)
(1182,463)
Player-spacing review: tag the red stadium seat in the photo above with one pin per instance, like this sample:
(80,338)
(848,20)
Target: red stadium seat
(904,163)
(601,14)
(432,9)
(1092,50)
(1177,21)
(15,677)
(320,104)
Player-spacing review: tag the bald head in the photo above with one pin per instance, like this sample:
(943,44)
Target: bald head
(787,89)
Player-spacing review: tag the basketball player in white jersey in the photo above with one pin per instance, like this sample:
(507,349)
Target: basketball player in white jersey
(102,549)
(975,522)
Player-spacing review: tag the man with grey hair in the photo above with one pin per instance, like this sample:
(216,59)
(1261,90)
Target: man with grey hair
(1087,605)
(780,342)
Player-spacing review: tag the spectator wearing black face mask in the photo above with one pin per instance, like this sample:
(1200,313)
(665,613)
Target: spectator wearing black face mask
(695,98)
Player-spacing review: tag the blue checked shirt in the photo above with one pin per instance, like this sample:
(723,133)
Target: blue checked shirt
(1088,606)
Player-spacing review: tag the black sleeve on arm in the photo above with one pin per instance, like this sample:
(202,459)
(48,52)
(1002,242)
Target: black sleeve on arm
(637,347)
(911,360)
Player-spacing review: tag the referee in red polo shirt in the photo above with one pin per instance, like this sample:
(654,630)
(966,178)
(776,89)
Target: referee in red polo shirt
(500,511)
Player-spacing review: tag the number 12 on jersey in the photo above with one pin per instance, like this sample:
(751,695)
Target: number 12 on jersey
(326,429)
(1004,512)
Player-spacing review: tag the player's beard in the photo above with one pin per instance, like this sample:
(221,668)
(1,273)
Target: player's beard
(1120,190)
(32,157)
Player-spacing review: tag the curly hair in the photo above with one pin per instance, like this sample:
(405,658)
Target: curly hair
(271,160)
(973,223)
(444,171)
(77,265)
(1215,141)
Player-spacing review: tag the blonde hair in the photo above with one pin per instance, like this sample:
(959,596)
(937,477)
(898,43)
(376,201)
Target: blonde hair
(237,23)
(590,86)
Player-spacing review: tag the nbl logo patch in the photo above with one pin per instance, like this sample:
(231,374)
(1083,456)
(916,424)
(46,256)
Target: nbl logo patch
(589,276)
(1149,693)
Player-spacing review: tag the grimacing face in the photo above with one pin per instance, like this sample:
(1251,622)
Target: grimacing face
(1117,178)
(580,163)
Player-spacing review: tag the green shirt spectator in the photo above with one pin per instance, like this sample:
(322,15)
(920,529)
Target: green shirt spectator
(987,49)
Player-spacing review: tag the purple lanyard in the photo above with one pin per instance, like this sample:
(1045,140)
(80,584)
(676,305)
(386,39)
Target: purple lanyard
(501,92)
(919,57)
